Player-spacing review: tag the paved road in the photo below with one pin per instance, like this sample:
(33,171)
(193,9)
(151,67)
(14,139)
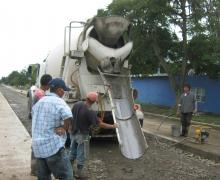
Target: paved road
(160,162)
(18,102)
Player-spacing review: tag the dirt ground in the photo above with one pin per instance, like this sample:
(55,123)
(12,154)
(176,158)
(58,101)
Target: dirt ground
(160,162)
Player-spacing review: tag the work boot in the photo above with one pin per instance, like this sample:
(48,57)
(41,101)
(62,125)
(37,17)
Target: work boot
(79,174)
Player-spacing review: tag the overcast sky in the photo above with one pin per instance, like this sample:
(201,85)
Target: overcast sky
(29,29)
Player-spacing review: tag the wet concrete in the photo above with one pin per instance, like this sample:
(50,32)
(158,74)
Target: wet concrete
(210,149)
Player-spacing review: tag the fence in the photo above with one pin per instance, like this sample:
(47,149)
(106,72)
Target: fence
(157,90)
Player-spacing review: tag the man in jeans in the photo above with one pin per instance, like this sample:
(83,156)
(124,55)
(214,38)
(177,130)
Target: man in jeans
(38,94)
(83,118)
(187,107)
(50,121)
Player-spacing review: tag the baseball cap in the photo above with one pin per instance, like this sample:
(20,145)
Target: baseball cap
(58,83)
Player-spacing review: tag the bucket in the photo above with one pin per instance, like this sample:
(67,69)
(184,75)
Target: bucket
(175,130)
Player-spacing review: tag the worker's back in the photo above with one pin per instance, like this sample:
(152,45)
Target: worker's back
(83,118)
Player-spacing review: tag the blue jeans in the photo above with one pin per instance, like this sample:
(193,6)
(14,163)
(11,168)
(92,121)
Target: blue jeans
(33,163)
(59,165)
(79,149)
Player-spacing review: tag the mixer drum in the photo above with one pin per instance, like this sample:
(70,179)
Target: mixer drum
(106,45)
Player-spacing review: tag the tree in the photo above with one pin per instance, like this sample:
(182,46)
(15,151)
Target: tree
(141,58)
(33,74)
(204,47)
(13,78)
(162,32)
(4,80)
(16,78)
(204,55)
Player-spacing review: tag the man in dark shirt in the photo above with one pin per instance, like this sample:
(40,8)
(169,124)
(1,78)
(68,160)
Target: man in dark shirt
(83,118)
(187,107)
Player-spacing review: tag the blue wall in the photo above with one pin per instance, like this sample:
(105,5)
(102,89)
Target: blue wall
(157,90)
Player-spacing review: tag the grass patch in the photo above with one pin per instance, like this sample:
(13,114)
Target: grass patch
(164,110)
(207,118)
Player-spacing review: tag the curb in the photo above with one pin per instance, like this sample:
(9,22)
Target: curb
(16,145)
(185,147)
(176,119)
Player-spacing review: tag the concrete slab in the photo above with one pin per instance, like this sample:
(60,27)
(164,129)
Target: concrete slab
(210,150)
(15,149)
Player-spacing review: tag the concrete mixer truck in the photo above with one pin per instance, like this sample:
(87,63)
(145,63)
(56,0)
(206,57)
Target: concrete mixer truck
(94,57)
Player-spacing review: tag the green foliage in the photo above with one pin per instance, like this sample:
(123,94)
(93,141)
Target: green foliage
(204,54)
(176,35)
(22,78)
(33,74)
(16,78)
(143,18)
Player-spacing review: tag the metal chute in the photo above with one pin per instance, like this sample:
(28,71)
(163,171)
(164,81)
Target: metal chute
(130,136)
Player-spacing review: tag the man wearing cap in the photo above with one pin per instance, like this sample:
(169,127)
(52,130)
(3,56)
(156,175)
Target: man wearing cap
(83,119)
(38,94)
(51,117)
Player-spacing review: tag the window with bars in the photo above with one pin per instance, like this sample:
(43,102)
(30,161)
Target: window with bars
(199,93)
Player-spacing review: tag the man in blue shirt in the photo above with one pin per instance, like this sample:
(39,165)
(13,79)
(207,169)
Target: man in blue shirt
(38,94)
(51,118)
